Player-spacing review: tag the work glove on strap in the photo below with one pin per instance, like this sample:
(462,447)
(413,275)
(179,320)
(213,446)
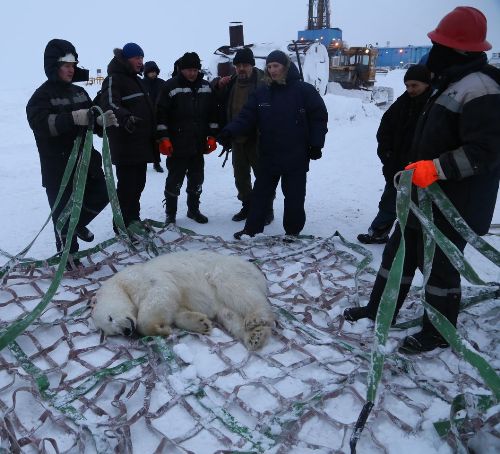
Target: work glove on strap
(165,147)
(109,118)
(315,153)
(80,117)
(424,173)
(211,145)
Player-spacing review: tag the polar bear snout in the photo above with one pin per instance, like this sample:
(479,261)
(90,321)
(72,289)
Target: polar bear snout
(129,331)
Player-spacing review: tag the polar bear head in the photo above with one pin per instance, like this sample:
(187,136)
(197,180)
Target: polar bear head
(113,311)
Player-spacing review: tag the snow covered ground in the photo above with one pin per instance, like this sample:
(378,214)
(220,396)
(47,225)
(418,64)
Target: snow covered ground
(343,192)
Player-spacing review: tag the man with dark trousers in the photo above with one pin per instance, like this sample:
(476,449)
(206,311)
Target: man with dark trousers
(291,118)
(394,137)
(57,113)
(232,93)
(187,124)
(457,145)
(153,85)
(132,144)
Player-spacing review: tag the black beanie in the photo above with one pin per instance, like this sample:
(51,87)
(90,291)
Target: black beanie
(244,55)
(418,72)
(277,56)
(151,66)
(131,50)
(190,60)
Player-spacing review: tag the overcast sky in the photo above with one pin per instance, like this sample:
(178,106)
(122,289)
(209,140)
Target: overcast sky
(166,29)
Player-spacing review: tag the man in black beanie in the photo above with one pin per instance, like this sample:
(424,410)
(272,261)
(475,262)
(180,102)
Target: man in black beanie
(187,124)
(394,137)
(132,144)
(457,146)
(291,118)
(232,93)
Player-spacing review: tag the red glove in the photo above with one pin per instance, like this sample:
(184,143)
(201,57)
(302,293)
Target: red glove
(211,145)
(166,147)
(424,173)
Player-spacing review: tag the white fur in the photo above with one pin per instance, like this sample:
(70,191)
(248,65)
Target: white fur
(187,289)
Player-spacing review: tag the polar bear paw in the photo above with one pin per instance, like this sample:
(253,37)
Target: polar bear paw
(194,321)
(256,337)
(254,321)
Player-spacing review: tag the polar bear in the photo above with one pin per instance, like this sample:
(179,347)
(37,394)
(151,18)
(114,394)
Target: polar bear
(187,290)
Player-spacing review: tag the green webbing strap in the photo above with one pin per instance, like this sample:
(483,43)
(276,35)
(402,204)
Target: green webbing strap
(452,215)
(385,311)
(368,257)
(9,334)
(68,171)
(63,403)
(431,236)
(477,403)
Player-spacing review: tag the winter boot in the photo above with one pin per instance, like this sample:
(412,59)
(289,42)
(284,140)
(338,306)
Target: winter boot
(241,233)
(375,236)
(353,314)
(170,203)
(194,212)
(243,213)
(84,234)
(429,338)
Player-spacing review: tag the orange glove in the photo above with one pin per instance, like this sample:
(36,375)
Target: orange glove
(211,145)
(166,147)
(424,173)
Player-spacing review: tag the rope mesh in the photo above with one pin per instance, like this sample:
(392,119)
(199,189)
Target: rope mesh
(65,388)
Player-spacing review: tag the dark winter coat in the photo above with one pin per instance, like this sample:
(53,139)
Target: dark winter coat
(396,130)
(49,116)
(124,93)
(290,117)
(187,114)
(153,88)
(461,126)
(224,95)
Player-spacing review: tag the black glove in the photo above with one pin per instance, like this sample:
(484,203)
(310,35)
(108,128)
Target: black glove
(225,139)
(131,123)
(315,153)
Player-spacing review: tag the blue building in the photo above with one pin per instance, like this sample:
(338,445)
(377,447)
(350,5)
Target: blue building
(323,35)
(396,57)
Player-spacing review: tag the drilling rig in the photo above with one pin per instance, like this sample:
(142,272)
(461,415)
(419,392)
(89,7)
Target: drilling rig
(351,67)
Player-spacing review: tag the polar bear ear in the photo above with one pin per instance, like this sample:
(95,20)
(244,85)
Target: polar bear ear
(92,302)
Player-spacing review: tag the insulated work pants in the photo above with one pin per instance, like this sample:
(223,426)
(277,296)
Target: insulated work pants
(293,185)
(95,199)
(443,287)
(131,180)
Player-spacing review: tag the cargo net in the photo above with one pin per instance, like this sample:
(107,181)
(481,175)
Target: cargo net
(66,388)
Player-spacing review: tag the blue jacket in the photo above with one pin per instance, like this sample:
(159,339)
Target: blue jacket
(290,118)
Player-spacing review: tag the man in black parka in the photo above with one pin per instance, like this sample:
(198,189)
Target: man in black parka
(291,118)
(394,136)
(187,124)
(456,145)
(153,85)
(57,113)
(132,144)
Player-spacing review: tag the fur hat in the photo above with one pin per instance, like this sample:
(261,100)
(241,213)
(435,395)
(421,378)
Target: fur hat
(151,66)
(418,72)
(277,56)
(190,60)
(131,50)
(244,55)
